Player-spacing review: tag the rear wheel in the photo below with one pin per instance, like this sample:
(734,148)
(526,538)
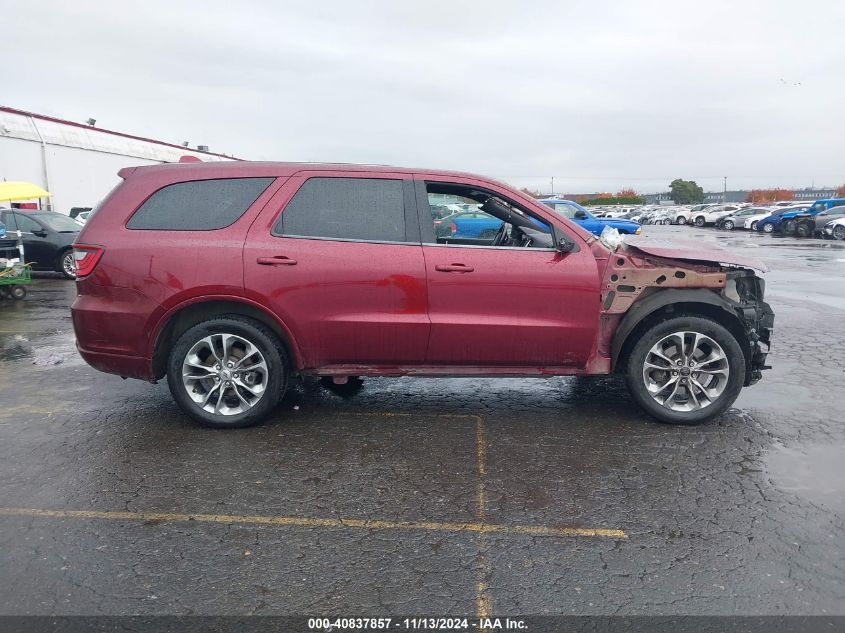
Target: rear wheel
(17,292)
(804,230)
(228,372)
(699,221)
(839,232)
(680,220)
(685,370)
(768,227)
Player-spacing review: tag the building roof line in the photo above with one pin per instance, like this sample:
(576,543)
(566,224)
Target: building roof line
(44,117)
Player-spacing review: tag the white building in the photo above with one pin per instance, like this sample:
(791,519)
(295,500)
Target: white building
(75,162)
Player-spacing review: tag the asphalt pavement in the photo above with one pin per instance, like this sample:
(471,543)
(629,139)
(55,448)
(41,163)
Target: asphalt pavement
(429,496)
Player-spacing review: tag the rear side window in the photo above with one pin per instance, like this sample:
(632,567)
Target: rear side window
(367,209)
(199,205)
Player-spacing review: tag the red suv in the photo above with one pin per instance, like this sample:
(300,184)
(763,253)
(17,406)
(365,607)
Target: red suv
(229,278)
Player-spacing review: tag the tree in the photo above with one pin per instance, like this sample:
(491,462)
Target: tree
(840,193)
(769,195)
(627,193)
(686,191)
(530,192)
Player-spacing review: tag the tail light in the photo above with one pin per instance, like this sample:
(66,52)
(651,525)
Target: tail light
(453,227)
(86,258)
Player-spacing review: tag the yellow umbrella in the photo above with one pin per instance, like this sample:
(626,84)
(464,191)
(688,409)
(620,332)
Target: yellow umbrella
(21,191)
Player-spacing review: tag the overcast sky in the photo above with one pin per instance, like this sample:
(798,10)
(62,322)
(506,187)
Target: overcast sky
(598,95)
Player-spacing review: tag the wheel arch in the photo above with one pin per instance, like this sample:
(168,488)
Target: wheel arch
(184,316)
(675,302)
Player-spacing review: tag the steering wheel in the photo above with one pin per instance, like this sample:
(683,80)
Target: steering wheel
(501,238)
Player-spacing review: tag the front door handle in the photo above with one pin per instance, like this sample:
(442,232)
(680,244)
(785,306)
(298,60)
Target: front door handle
(454,268)
(277,260)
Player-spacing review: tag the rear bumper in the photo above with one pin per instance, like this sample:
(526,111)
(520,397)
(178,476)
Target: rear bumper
(124,366)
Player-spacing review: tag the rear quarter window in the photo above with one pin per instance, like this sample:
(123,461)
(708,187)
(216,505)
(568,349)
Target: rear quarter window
(198,205)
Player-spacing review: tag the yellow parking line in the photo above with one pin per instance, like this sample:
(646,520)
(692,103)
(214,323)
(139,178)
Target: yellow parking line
(282,521)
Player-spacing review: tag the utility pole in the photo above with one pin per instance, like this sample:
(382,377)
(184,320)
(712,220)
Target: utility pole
(725,194)
(553,185)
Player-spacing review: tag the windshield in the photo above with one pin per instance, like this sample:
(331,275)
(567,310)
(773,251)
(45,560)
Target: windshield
(58,222)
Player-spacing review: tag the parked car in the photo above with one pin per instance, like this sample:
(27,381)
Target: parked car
(575,212)
(712,215)
(472,224)
(808,225)
(47,238)
(229,278)
(742,219)
(835,229)
(802,222)
(772,222)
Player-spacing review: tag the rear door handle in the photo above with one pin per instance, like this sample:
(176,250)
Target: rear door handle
(276,260)
(454,268)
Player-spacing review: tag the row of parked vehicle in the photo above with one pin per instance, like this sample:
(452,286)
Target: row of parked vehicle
(821,218)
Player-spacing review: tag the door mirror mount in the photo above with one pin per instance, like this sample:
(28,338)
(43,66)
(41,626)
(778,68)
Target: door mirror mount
(40,232)
(565,245)
(580,215)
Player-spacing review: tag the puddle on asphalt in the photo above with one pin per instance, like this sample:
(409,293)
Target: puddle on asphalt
(57,349)
(815,473)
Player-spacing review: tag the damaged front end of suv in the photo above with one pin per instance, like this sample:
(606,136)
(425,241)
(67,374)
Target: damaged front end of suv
(685,370)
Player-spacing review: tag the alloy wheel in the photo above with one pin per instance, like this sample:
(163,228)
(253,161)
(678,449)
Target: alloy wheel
(69,264)
(686,371)
(224,374)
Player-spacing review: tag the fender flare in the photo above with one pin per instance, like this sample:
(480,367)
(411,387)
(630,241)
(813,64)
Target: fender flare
(652,303)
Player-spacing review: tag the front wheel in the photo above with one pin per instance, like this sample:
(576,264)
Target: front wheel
(728,225)
(699,221)
(839,232)
(67,265)
(768,228)
(754,225)
(803,230)
(680,220)
(685,370)
(228,372)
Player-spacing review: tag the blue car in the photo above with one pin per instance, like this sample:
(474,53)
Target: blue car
(577,213)
(772,223)
(470,225)
(788,221)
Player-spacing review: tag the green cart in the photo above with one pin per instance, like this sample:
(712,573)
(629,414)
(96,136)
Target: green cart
(14,273)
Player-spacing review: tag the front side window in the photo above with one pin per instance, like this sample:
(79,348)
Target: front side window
(25,224)
(9,221)
(482,218)
(199,205)
(362,209)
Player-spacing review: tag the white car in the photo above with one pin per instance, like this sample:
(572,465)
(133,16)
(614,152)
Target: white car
(750,221)
(712,215)
(835,229)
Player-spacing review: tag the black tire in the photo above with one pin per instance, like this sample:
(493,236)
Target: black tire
(839,232)
(680,220)
(699,221)
(787,227)
(66,263)
(17,292)
(803,230)
(754,225)
(258,335)
(728,225)
(702,325)
(768,227)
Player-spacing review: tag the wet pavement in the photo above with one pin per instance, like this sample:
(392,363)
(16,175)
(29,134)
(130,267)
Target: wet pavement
(429,496)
